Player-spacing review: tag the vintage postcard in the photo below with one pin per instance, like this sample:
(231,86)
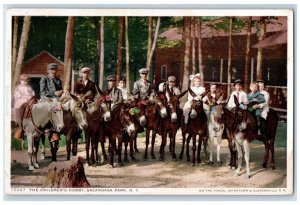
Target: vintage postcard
(149,102)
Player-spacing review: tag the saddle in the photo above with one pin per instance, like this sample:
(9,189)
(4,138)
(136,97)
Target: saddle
(28,107)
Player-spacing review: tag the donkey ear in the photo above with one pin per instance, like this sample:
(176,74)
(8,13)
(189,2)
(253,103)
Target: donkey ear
(181,94)
(236,101)
(192,92)
(205,93)
(74,97)
(66,105)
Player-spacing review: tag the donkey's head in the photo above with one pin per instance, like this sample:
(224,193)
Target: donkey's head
(161,102)
(173,104)
(55,113)
(197,103)
(100,103)
(78,110)
(126,118)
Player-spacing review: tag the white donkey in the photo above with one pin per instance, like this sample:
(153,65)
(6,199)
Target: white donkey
(215,130)
(46,114)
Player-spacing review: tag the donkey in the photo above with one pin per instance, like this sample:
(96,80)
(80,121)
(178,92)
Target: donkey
(247,131)
(97,112)
(197,125)
(121,121)
(154,112)
(170,124)
(75,121)
(46,114)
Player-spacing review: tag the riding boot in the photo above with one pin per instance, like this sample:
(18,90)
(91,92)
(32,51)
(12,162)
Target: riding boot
(258,125)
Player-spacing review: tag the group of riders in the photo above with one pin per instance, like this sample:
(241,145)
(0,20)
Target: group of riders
(85,89)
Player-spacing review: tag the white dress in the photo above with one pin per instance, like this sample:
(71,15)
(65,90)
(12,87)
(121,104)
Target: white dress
(22,94)
(198,91)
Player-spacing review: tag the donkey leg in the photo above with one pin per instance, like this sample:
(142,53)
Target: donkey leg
(272,165)
(68,145)
(125,151)
(87,146)
(172,144)
(135,144)
(266,156)
(147,143)
(163,144)
(182,147)
(103,151)
(194,150)
(219,140)
(187,148)
(199,149)
(120,142)
(75,143)
(211,146)
(132,139)
(43,138)
(247,158)
(93,160)
(240,158)
(152,144)
(112,142)
(34,154)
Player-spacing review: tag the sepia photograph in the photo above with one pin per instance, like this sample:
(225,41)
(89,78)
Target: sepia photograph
(149,102)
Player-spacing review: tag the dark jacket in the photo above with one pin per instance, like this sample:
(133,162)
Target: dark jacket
(81,89)
(49,85)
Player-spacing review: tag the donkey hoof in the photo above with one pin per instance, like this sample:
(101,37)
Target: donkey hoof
(236,174)
(36,165)
(30,168)
(111,166)
(264,165)
(210,163)
(136,150)
(180,157)
(133,158)
(126,160)
(161,159)
(272,166)
(188,160)
(247,176)
(43,157)
(220,163)
(121,164)
(153,156)
(192,164)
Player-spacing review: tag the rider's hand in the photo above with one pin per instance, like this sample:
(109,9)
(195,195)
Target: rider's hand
(255,106)
(58,93)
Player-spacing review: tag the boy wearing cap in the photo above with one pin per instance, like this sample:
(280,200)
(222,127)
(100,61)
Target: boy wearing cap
(50,85)
(142,88)
(115,94)
(122,86)
(239,93)
(85,88)
(255,98)
(170,84)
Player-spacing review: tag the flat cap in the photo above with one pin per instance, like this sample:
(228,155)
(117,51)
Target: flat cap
(111,78)
(172,78)
(52,66)
(122,79)
(143,71)
(238,81)
(260,81)
(85,69)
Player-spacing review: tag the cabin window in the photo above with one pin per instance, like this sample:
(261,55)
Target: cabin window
(233,77)
(163,72)
(213,70)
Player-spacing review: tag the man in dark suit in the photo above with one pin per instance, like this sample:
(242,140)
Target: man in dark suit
(50,85)
(114,93)
(142,89)
(85,88)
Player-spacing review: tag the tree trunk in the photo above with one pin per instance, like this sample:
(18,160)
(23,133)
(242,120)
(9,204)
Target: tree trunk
(120,44)
(97,36)
(15,45)
(68,52)
(127,55)
(246,88)
(261,36)
(101,61)
(200,60)
(229,58)
(22,50)
(150,30)
(68,174)
(149,60)
(187,45)
(193,45)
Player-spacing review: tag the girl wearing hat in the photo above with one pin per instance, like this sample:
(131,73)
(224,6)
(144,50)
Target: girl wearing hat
(239,93)
(198,90)
(22,94)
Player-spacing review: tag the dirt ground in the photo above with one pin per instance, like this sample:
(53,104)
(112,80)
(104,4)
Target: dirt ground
(167,174)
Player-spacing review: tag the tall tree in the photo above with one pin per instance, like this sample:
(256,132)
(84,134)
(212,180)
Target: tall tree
(68,52)
(193,26)
(150,31)
(261,36)
(127,54)
(120,44)
(15,45)
(229,57)
(200,59)
(101,61)
(22,50)
(149,57)
(187,47)
(247,54)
